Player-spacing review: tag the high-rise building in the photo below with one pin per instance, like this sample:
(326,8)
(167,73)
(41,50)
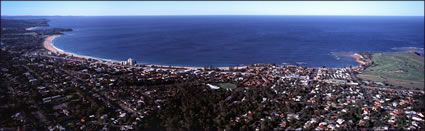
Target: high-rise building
(131,61)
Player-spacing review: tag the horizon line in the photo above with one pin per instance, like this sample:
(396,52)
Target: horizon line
(211,15)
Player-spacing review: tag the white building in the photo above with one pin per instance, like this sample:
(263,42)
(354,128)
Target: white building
(130,61)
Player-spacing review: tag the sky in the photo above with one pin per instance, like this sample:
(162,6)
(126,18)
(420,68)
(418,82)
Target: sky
(126,8)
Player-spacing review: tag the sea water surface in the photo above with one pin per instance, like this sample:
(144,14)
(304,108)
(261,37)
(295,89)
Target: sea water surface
(237,40)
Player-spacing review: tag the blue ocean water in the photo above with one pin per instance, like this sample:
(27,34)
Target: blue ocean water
(236,40)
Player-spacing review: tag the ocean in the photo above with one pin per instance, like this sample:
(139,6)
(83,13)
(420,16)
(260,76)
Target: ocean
(237,40)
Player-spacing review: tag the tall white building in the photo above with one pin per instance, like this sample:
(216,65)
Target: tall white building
(131,61)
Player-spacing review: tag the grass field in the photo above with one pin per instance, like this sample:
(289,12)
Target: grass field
(404,69)
(227,85)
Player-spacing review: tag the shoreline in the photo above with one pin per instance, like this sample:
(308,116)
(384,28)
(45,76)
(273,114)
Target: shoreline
(358,58)
(31,28)
(48,44)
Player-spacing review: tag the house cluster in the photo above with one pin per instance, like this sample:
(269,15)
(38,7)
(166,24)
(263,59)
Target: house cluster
(45,90)
(305,97)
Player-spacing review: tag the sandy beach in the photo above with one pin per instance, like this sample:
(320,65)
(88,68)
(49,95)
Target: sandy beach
(48,44)
(31,28)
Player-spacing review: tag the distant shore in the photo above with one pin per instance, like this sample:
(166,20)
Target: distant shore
(31,28)
(48,44)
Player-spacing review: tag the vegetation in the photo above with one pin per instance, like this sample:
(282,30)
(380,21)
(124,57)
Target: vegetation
(227,85)
(405,69)
(11,23)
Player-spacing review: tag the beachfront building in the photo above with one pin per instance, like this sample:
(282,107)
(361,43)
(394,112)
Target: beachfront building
(130,61)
